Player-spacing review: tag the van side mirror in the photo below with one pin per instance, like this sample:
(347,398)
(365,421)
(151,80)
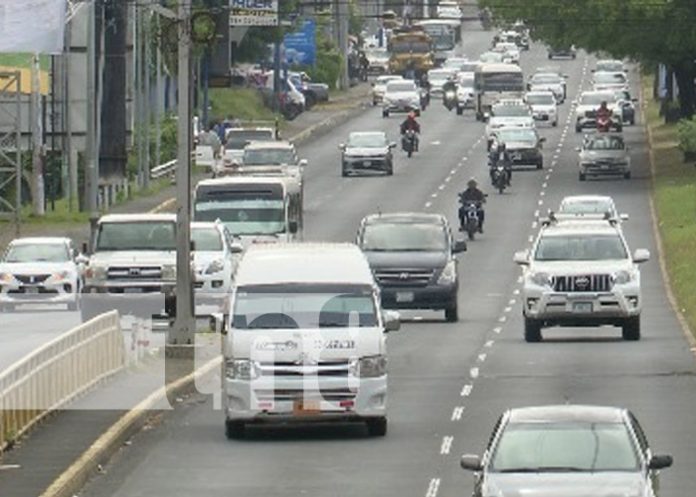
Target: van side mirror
(303,163)
(392,321)
(217,323)
(660,462)
(471,462)
(459,246)
(641,255)
(623,217)
(85,248)
(521,258)
(293,227)
(236,248)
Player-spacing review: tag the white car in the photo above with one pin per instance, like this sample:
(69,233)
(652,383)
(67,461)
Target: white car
(465,91)
(583,207)
(548,82)
(510,51)
(509,114)
(610,65)
(491,58)
(455,63)
(380,86)
(437,78)
(401,96)
(235,141)
(215,259)
(581,274)
(606,81)
(449,10)
(544,107)
(587,105)
(40,271)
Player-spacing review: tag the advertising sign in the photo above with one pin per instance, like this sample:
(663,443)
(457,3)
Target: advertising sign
(301,46)
(32,26)
(253,12)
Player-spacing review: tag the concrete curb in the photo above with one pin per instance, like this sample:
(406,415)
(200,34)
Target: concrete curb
(666,280)
(74,478)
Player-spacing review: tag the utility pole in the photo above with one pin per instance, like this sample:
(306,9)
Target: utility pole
(92,171)
(146,95)
(158,100)
(184,323)
(343,14)
(36,138)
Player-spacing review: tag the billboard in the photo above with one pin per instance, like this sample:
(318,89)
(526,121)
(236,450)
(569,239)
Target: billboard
(301,46)
(32,26)
(253,12)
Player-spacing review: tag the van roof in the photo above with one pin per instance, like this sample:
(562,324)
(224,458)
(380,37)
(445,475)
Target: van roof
(237,180)
(144,217)
(499,67)
(326,263)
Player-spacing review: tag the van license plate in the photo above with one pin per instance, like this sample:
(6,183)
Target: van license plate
(367,163)
(31,290)
(306,407)
(582,306)
(404,296)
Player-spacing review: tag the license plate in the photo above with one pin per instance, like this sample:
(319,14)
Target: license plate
(306,407)
(366,163)
(404,296)
(132,290)
(31,290)
(582,306)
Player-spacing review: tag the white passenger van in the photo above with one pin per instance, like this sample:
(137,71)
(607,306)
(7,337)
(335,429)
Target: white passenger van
(253,209)
(305,339)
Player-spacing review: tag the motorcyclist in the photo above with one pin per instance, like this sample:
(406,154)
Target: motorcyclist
(410,123)
(500,156)
(472,194)
(603,114)
(449,88)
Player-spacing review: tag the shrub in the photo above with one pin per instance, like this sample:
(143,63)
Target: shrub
(686,131)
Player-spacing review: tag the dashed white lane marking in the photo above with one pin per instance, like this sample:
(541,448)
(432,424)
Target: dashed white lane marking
(542,193)
(482,357)
(489,344)
(535,225)
(530,239)
(502,319)
(536,212)
(520,279)
(541,202)
(446,445)
(551,169)
(457,413)
(434,195)
(466,390)
(453,171)
(441,187)
(512,301)
(428,204)
(474,372)
(507,309)
(433,488)
(544,185)
(436,142)
(448,179)
(547,178)
(516,291)
(497,330)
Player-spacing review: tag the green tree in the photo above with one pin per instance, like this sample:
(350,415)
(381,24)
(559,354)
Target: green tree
(647,31)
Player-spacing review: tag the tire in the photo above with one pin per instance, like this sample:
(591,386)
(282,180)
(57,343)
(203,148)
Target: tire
(310,100)
(410,152)
(633,121)
(234,430)
(550,56)
(471,234)
(630,329)
(344,172)
(578,129)
(385,113)
(418,113)
(376,427)
(7,308)
(582,177)
(627,175)
(460,111)
(452,314)
(532,331)
(374,102)
(540,164)
(619,128)
(390,169)
(554,124)
(479,117)
(501,187)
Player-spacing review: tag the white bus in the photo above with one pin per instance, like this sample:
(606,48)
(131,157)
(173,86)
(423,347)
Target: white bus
(493,82)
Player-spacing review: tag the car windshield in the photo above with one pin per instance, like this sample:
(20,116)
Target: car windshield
(401,87)
(269,156)
(377,54)
(411,237)
(609,66)
(548,79)
(268,307)
(136,235)
(603,142)
(609,78)
(580,248)
(510,111)
(206,239)
(367,140)
(517,135)
(597,98)
(466,80)
(541,99)
(440,74)
(237,139)
(37,252)
(586,207)
(244,216)
(564,447)
(491,57)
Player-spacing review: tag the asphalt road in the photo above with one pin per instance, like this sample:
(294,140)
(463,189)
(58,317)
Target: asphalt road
(448,381)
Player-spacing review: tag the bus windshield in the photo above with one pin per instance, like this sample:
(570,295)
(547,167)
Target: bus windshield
(500,81)
(244,216)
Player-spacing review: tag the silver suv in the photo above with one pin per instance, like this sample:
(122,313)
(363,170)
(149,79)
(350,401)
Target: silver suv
(581,273)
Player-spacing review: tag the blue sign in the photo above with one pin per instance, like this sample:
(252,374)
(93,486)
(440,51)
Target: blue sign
(301,46)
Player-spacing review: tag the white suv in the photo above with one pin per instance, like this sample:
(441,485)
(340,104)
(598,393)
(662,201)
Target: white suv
(581,274)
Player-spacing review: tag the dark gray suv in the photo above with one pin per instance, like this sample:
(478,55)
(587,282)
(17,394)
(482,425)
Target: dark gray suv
(412,256)
(367,151)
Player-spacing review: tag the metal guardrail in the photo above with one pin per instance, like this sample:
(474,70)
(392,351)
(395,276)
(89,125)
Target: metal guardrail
(56,373)
(163,170)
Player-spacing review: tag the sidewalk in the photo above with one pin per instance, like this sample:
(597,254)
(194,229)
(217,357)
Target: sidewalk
(36,462)
(299,130)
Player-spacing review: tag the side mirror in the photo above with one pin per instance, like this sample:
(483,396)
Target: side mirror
(542,139)
(623,217)
(217,323)
(471,462)
(578,149)
(81,259)
(634,100)
(303,163)
(641,255)
(236,248)
(85,249)
(392,321)
(459,246)
(293,226)
(660,462)
(521,258)
(342,146)
(392,145)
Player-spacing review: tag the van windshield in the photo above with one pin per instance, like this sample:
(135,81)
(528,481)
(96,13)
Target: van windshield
(266,307)
(244,216)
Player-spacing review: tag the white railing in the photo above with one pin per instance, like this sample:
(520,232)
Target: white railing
(202,155)
(56,373)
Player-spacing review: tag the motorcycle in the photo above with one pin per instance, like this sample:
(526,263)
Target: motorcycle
(471,222)
(408,142)
(499,178)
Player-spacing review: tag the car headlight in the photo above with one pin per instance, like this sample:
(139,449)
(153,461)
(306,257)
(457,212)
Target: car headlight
(623,277)
(369,367)
(60,276)
(448,274)
(241,369)
(540,278)
(6,277)
(215,267)
(169,272)
(95,273)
